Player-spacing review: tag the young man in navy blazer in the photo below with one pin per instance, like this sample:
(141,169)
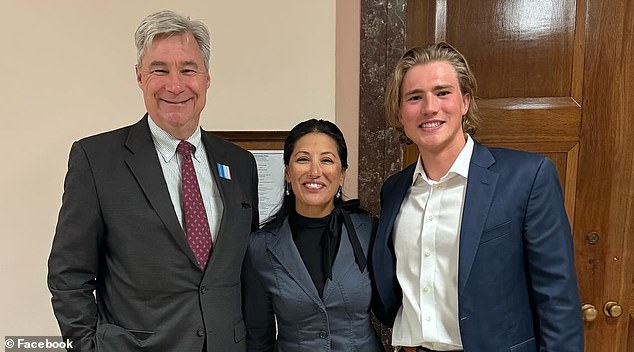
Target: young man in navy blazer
(473,250)
(127,270)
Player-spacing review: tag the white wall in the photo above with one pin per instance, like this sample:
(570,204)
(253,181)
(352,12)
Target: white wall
(68,72)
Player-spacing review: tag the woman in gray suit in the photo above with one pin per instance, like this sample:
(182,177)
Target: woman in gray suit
(306,282)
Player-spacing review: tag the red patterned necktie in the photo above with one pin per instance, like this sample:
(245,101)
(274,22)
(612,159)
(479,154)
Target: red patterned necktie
(194,214)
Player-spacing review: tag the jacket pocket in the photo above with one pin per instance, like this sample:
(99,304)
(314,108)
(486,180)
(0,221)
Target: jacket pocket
(526,346)
(239,331)
(112,337)
(495,232)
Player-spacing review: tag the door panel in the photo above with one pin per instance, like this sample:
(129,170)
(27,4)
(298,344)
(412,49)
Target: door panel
(523,48)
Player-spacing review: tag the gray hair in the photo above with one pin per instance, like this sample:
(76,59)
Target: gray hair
(167,22)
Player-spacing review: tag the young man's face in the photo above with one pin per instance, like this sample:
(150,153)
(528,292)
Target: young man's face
(432,106)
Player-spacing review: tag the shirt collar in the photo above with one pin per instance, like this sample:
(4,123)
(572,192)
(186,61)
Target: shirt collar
(166,144)
(460,166)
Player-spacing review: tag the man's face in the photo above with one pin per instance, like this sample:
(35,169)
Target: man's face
(174,82)
(432,107)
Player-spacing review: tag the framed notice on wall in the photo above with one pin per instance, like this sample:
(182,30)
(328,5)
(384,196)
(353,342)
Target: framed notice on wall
(268,149)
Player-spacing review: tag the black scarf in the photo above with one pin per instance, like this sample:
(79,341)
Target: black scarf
(341,216)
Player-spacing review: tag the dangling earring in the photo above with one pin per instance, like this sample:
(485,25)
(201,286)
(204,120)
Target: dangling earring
(286,187)
(338,195)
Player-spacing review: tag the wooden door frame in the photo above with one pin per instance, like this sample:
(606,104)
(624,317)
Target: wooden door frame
(605,185)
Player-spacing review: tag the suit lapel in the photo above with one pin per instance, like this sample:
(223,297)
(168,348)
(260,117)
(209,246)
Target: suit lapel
(146,168)
(394,199)
(344,260)
(230,191)
(481,185)
(384,262)
(283,248)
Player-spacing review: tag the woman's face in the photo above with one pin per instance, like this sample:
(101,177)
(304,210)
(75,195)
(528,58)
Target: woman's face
(315,173)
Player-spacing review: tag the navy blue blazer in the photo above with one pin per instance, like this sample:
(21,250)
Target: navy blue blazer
(283,310)
(517,287)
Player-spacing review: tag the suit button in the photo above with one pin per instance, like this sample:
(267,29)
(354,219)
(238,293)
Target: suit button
(203,289)
(323,334)
(200,332)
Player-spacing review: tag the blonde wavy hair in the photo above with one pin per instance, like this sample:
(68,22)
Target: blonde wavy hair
(425,54)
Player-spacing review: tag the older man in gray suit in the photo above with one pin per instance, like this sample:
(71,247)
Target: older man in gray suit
(162,257)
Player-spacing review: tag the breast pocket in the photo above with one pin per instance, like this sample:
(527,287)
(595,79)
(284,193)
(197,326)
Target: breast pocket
(526,346)
(496,232)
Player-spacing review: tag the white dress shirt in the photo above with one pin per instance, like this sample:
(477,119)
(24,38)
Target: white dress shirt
(171,164)
(426,241)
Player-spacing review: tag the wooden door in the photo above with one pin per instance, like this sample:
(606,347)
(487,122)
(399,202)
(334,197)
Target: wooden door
(555,77)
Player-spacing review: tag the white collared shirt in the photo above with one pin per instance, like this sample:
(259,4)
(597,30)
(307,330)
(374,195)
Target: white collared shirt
(171,164)
(426,241)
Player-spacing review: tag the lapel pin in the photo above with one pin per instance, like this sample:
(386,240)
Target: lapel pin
(224,171)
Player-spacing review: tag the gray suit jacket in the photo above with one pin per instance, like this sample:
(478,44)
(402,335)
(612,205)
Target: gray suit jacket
(118,237)
(277,285)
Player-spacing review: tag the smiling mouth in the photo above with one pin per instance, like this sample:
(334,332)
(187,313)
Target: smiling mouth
(314,186)
(433,124)
(175,102)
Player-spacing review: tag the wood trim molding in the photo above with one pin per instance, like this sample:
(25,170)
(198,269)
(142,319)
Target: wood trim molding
(255,140)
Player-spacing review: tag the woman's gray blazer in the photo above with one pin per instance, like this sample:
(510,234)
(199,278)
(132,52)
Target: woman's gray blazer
(277,287)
